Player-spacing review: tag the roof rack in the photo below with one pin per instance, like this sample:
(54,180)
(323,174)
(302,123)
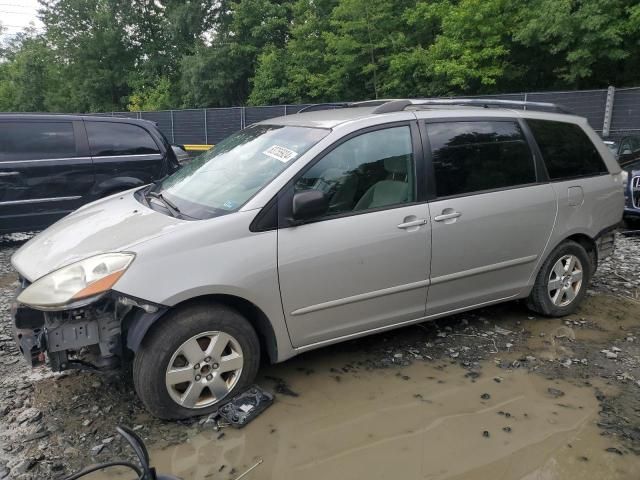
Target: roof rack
(399,105)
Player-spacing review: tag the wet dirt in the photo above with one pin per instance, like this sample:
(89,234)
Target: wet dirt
(377,425)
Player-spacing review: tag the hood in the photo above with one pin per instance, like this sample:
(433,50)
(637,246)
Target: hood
(116,223)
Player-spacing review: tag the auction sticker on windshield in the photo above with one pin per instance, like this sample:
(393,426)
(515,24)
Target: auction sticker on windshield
(282,154)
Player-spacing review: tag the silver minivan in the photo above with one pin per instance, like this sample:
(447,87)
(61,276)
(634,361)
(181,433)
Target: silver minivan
(314,228)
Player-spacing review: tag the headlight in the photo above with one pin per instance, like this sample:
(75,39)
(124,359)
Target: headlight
(76,284)
(625,178)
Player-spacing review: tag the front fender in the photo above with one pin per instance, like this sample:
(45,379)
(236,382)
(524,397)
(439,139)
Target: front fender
(215,257)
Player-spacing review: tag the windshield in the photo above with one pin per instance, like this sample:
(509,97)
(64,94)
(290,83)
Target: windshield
(224,178)
(613,146)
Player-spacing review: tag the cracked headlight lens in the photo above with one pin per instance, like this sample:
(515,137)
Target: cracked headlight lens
(78,283)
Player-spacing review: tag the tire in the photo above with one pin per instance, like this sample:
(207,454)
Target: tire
(630,223)
(169,371)
(546,300)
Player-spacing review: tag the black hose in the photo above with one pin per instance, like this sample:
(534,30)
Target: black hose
(101,466)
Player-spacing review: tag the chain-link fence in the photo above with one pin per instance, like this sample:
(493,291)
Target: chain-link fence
(611,112)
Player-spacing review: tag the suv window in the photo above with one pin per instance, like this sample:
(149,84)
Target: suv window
(372,170)
(36,140)
(110,139)
(566,150)
(479,155)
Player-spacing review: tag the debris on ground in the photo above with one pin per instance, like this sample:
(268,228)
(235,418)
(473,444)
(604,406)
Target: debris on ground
(246,406)
(555,393)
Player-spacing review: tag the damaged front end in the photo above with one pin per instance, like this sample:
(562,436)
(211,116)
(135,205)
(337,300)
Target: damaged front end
(89,337)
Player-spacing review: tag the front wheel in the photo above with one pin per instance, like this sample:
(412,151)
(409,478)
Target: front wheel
(562,281)
(195,358)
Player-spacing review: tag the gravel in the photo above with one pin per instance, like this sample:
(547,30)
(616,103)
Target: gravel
(620,275)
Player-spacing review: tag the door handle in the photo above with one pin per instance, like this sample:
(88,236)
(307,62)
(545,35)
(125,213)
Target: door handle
(447,216)
(8,174)
(413,223)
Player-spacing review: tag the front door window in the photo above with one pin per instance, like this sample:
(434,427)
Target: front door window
(371,171)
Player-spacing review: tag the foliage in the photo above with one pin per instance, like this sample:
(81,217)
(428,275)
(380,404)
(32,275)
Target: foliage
(152,97)
(29,76)
(102,55)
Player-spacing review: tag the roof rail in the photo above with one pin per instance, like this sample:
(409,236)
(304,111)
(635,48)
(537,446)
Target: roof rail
(328,106)
(399,105)
(323,106)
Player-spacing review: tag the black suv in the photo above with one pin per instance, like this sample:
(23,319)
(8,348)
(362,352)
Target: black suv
(52,164)
(627,151)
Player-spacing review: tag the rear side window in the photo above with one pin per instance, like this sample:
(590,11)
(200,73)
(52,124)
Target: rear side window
(567,151)
(111,139)
(479,155)
(36,140)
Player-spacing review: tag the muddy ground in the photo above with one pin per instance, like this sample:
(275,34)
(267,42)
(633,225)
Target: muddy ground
(493,393)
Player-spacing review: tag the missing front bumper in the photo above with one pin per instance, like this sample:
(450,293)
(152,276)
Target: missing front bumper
(88,337)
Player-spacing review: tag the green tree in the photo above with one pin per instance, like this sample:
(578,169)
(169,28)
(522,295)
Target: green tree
(365,36)
(219,72)
(467,48)
(150,98)
(582,44)
(270,84)
(308,65)
(92,44)
(487,46)
(30,80)
(214,76)
(163,33)
(101,55)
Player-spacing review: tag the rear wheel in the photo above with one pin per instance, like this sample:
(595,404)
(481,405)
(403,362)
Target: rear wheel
(194,359)
(562,281)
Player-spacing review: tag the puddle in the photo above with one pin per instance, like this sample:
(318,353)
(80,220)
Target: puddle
(425,421)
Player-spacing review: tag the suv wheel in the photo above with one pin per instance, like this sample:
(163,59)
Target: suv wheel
(562,281)
(194,359)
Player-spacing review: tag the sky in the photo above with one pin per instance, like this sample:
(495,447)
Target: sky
(15,15)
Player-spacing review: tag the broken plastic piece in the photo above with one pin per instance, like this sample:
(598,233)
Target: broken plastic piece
(246,406)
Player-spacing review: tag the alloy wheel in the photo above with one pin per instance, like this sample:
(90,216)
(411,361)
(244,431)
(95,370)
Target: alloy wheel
(565,280)
(204,369)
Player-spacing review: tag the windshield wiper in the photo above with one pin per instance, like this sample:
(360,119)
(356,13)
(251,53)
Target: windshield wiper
(173,209)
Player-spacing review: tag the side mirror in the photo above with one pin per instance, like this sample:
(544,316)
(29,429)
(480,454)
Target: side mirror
(309,204)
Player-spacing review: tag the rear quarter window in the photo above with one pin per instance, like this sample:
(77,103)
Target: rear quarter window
(36,140)
(110,139)
(566,150)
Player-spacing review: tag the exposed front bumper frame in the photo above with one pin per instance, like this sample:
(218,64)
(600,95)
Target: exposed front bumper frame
(96,330)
